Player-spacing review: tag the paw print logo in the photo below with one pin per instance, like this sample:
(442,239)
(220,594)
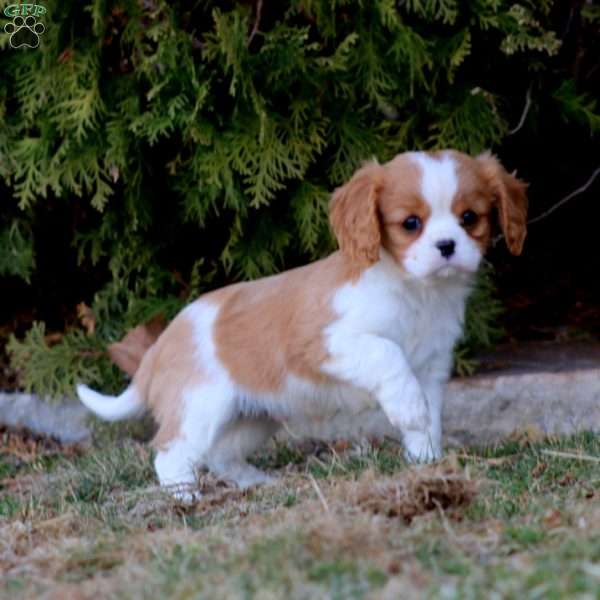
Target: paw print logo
(24,32)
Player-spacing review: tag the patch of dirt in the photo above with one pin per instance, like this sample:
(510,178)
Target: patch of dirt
(416,492)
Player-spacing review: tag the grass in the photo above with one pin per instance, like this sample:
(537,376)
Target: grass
(521,520)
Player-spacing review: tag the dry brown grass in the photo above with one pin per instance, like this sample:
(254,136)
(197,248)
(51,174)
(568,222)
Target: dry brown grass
(342,521)
(417,491)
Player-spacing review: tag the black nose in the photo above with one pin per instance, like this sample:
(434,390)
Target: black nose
(446,247)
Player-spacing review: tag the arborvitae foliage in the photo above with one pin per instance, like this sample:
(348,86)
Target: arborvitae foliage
(169,147)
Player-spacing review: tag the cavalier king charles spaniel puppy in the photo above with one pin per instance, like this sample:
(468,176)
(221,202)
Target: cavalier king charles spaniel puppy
(374,323)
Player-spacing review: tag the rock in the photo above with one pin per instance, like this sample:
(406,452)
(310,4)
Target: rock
(485,409)
(552,389)
(65,421)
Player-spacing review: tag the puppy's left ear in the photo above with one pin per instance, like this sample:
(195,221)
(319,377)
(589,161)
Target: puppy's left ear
(510,198)
(353,213)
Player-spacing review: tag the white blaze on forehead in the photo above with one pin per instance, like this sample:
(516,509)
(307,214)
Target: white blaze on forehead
(439,184)
(439,181)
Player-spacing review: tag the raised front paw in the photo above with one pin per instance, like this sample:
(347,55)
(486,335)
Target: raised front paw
(410,412)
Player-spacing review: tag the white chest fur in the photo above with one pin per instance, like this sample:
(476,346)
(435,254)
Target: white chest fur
(423,317)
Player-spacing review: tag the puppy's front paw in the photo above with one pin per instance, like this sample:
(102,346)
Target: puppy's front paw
(184,493)
(420,447)
(410,413)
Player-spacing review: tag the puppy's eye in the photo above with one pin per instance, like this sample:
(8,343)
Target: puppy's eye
(412,223)
(469,218)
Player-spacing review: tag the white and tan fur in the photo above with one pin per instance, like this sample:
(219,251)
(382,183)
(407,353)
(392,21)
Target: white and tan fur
(374,322)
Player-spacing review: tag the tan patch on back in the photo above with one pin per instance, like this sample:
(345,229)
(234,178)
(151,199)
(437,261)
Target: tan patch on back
(274,326)
(264,330)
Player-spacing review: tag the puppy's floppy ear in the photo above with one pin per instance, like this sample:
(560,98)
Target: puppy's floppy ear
(353,213)
(511,201)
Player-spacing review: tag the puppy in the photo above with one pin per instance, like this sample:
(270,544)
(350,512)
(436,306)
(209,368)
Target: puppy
(373,323)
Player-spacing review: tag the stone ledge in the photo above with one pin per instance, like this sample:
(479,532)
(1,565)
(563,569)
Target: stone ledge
(479,410)
(65,421)
(484,409)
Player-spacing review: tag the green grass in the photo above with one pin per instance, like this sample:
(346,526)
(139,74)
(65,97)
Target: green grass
(94,524)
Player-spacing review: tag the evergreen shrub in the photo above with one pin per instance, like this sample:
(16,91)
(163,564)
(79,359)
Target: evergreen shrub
(152,150)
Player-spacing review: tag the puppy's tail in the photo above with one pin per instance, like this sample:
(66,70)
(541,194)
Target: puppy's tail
(112,408)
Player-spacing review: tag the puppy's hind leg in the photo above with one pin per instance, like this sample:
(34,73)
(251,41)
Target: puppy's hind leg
(175,467)
(238,440)
(205,411)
